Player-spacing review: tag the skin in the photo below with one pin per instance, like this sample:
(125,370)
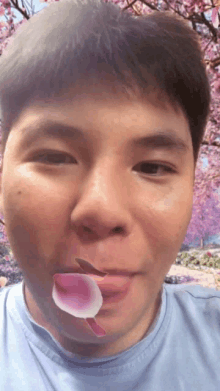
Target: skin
(94,200)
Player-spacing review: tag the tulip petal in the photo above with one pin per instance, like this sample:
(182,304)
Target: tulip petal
(80,296)
(77,294)
(98,330)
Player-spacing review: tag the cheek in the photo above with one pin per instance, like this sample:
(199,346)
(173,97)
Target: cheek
(166,218)
(176,211)
(165,231)
(35,197)
(35,216)
(31,207)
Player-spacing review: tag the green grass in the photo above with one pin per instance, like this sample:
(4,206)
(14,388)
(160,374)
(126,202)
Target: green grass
(196,259)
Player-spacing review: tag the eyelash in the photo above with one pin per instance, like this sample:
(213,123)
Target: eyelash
(48,155)
(62,156)
(152,165)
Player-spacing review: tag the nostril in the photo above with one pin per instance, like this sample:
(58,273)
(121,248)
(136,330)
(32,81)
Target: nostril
(86,229)
(117,230)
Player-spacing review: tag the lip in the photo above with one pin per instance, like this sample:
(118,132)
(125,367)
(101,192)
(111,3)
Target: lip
(87,267)
(77,269)
(114,297)
(112,285)
(113,281)
(108,285)
(77,264)
(113,288)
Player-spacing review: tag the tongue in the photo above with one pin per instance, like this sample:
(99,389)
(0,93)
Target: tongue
(114,284)
(79,295)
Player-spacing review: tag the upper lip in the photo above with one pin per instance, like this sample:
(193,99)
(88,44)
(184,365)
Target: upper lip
(92,270)
(115,272)
(87,267)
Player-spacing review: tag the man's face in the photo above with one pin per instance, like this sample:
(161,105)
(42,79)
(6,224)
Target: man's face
(106,180)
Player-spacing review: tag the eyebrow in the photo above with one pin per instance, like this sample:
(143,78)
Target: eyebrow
(51,129)
(165,139)
(162,139)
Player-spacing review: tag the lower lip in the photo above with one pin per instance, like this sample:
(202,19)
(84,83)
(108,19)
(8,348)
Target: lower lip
(115,298)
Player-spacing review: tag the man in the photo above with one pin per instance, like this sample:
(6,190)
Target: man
(103,116)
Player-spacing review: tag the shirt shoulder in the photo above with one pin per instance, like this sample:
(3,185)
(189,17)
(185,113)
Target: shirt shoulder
(196,304)
(193,291)
(4,291)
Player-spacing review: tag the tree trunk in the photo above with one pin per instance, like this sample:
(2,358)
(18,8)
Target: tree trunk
(201,243)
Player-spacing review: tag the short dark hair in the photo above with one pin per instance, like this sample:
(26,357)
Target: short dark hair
(74,41)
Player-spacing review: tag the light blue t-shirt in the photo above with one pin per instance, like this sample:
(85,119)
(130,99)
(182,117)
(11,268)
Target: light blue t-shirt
(181,353)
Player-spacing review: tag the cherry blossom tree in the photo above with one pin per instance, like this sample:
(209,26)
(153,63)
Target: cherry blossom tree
(203,17)
(205,220)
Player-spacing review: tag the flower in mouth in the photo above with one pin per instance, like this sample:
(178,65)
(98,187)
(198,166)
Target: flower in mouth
(79,295)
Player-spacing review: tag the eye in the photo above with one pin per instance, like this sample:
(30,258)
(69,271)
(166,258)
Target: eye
(154,169)
(55,158)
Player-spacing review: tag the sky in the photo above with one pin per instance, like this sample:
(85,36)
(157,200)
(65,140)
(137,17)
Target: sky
(36,4)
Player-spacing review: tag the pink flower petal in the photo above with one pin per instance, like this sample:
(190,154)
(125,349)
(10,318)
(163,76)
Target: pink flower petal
(77,294)
(98,330)
(215,18)
(2,11)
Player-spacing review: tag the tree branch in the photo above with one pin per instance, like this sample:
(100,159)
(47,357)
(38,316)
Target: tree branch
(19,9)
(151,6)
(210,26)
(213,144)
(214,63)
(176,11)
(129,5)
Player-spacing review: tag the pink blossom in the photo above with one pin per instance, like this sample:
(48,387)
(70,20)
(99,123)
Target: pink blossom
(6,3)
(2,11)
(215,17)
(79,295)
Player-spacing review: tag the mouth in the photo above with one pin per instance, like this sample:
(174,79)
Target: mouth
(85,267)
(82,297)
(113,284)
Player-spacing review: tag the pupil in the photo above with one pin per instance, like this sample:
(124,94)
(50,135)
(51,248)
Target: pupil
(150,167)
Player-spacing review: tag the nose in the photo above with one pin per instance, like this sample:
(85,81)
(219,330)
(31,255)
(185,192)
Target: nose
(101,209)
